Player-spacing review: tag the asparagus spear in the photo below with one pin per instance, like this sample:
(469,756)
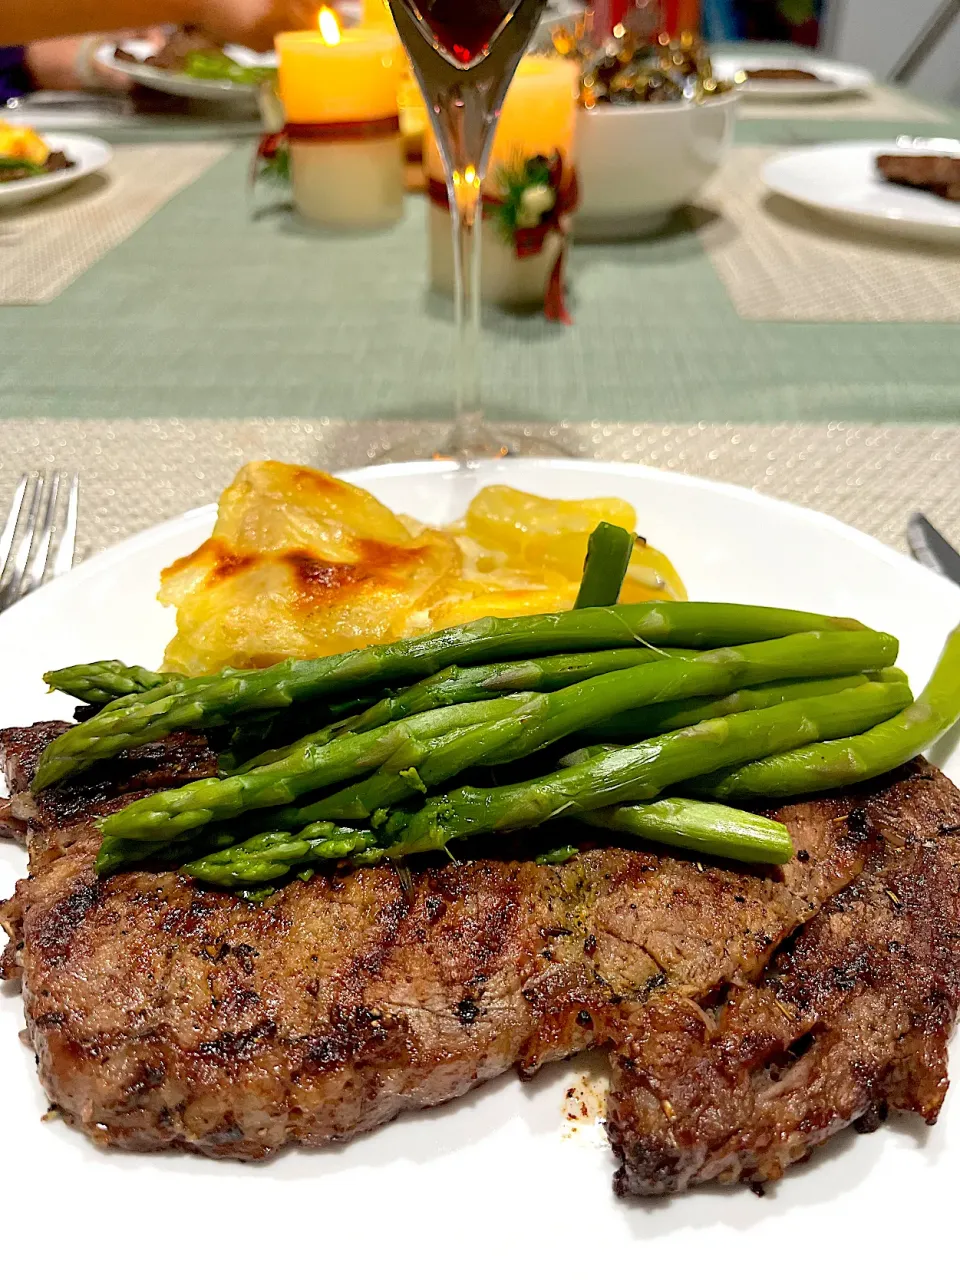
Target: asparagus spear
(105,681)
(275,854)
(712,830)
(705,829)
(549,717)
(645,722)
(842,763)
(169,814)
(473,684)
(204,703)
(608,557)
(639,773)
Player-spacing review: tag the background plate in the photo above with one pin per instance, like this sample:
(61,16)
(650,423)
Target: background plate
(840,178)
(89,155)
(171,81)
(495,1184)
(839,78)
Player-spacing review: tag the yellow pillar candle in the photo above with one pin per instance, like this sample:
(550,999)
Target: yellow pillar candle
(376,13)
(537,118)
(339,93)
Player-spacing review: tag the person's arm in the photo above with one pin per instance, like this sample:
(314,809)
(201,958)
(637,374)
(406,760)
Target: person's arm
(249,22)
(23,21)
(68,63)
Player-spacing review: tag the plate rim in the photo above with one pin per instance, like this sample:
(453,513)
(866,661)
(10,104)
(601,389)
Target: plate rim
(118,551)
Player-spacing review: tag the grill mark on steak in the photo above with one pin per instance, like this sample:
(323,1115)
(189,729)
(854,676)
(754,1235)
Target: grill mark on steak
(852,1019)
(164,1015)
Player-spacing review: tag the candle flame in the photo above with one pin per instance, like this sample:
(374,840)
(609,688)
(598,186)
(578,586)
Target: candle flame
(329,26)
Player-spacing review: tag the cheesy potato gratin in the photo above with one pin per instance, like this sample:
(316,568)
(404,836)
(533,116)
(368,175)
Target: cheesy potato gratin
(302,564)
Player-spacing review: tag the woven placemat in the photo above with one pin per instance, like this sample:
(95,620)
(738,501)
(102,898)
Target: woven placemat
(782,261)
(136,473)
(46,245)
(880,102)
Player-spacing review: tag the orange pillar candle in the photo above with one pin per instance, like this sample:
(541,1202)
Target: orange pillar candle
(339,94)
(375,13)
(537,118)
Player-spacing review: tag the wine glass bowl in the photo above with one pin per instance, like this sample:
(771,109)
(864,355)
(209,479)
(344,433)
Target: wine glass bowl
(462,32)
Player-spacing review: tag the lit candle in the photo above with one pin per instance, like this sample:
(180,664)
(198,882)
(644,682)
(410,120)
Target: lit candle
(339,93)
(537,119)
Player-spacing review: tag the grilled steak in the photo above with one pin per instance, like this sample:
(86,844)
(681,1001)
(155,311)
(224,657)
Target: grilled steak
(852,1018)
(782,73)
(165,1015)
(939,174)
(172,56)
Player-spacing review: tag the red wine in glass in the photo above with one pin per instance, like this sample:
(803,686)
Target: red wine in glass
(464,54)
(462,29)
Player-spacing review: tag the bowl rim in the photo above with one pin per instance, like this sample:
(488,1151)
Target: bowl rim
(726,98)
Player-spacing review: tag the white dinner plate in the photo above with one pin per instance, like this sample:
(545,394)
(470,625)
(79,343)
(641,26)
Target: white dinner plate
(182,86)
(837,79)
(841,179)
(89,155)
(497,1184)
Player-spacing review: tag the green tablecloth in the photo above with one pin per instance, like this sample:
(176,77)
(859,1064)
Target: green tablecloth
(207,311)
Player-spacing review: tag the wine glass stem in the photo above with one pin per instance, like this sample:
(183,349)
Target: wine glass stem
(466,216)
(464,101)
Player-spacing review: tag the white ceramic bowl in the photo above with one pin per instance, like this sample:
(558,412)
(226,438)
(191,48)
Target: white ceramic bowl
(636,164)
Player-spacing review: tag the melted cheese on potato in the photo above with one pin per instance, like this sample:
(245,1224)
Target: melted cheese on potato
(301,564)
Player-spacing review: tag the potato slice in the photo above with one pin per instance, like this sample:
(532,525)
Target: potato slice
(20,143)
(300,565)
(549,535)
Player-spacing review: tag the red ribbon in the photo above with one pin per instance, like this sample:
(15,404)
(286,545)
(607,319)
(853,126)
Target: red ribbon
(267,148)
(338,131)
(343,130)
(530,241)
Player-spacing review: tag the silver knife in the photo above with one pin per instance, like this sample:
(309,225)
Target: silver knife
(931,548)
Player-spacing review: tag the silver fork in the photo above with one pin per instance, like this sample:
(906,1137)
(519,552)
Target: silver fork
(40,533)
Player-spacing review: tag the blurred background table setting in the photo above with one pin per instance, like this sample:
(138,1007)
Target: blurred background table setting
(741,215)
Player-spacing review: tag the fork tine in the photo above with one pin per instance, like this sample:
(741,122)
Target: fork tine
(20,555)
(41,540)
(10,528)
(63,560)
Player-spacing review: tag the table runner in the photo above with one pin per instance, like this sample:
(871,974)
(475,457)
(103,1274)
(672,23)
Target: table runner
(880,102)
(782,261)
(46,245)
(136,473)
(206,312)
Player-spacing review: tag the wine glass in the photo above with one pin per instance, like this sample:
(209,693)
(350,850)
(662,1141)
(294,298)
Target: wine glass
(464,54)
